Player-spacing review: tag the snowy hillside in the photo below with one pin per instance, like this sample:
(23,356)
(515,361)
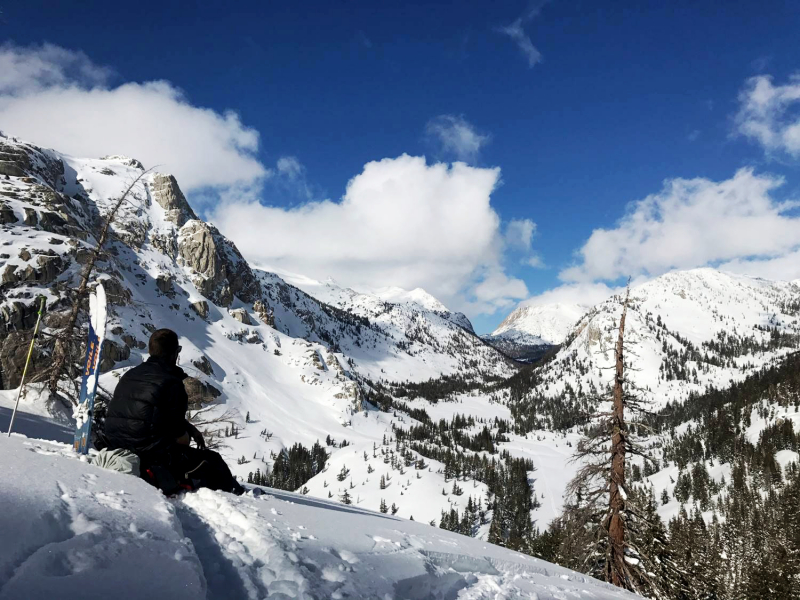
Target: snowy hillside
(686,330)
(540,324)
(73,530)
(425,339)
(252,343)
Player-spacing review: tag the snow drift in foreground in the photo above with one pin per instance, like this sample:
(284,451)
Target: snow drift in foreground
(73,530)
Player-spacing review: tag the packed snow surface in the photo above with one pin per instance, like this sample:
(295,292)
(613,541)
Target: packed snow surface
(73,530)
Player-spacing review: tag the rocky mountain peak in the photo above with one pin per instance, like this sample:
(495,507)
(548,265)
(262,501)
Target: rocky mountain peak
(218,269)
(169,196)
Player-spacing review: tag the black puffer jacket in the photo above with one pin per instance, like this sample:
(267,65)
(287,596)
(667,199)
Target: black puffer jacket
(148,410)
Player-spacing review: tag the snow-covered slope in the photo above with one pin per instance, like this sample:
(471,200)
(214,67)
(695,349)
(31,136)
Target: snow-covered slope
(419,337)
(685,330)
(254,344)
(397,295)
(540,324)
(73,530)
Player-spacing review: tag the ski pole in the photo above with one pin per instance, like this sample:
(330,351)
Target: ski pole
(25,370)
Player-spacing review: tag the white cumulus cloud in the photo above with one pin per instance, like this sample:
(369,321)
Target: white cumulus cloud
(401,222)
(58,98)
(456,137)
(768,114)
(692,223)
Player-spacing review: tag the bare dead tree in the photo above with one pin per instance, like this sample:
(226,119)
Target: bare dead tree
(611,528)
(65,341)
(615,565)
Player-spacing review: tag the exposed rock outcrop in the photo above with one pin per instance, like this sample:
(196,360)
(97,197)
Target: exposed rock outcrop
(201,308)
(164,284)
(7,214)
(199,393)
(116,291)
(264,312)
(53,222)
(170,197)
(241,315)
(218,270)
(23,160)
(249,336)
(16,316)
(204,366)
(132,342)
(48,269)
(112,354)
(31,219)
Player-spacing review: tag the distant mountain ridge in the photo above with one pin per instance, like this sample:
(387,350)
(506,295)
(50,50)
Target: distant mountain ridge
(540,324)
(686,329)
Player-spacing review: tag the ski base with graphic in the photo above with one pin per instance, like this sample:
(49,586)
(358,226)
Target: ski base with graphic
(91,370)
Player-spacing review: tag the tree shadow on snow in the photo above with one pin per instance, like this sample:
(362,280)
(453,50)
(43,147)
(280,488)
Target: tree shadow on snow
(36,427)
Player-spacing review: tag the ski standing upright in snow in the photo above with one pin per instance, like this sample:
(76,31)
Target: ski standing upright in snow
(91,370)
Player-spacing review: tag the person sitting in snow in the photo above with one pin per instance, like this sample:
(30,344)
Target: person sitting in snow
(147,415)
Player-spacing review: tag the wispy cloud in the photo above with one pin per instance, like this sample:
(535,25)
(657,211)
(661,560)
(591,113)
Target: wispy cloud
(363,39)
(768,114)
(516,31)
(534,261)
(291,175)
(519,233)
(33,69)
(455,136)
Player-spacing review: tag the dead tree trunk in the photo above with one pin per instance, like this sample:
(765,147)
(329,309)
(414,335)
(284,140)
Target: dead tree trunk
(65,340)
(615,565)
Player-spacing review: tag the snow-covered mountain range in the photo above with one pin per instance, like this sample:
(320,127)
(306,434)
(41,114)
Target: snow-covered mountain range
(254,344)
(388,381)
(686,330)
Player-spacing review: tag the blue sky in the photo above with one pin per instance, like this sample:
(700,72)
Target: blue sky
(622,99)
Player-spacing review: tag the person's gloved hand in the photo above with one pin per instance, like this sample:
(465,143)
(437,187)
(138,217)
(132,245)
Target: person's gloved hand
(196,436)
